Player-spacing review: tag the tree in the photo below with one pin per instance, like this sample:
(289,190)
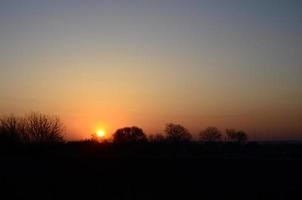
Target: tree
(33,128)
(12,130)
(236,136)
(210,134)
(177,133)
(44,129)
(129,135)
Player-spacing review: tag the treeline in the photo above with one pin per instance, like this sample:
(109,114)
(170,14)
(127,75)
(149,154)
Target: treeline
(37,128)
(37,133)
(176,133)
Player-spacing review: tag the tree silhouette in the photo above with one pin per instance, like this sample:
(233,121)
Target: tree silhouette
(12,129)
(177,133)
(129,135)
(44,129)
(33,128)
(210,134)
(236,136)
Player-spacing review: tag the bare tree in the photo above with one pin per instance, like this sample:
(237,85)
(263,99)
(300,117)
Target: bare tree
(177,133)
(33,128)
(129,134)
(236,136)
(12,129)
(44,129)
(210,134)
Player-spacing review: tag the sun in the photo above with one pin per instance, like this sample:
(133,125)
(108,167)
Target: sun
(100,133)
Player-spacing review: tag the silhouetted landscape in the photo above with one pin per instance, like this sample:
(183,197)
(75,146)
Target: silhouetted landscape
(36,163)
(151,99)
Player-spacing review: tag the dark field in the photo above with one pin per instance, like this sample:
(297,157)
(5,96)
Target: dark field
(152,171)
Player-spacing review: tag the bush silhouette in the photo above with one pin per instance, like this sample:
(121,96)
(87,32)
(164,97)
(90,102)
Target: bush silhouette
(210,134)
(129,135)
(177,133)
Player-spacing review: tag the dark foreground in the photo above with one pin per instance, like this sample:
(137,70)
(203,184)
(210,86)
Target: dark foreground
(91,171)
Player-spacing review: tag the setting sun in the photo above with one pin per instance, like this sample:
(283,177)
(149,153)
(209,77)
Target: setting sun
(100,133)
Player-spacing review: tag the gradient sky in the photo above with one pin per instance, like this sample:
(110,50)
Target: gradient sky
(109,64)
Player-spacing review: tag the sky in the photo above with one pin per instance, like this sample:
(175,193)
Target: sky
(109,64)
